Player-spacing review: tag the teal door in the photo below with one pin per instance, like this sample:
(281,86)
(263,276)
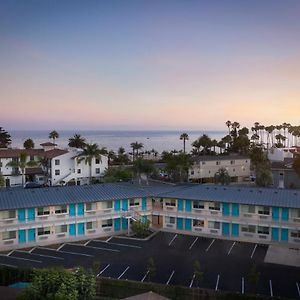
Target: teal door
(180,205)
(72,229)
(180,223)
(225,209)
(31,235)
(225,229)
(117,224)
(21,215)
(125,204)
(117,205)
(235,229)
(275,234)
(188,224)
(285,214)
(144,204)
(124,223)
(72,210)
(275,213)
(80,228)
(188,205)
(31,214)
(284,234)
(80,209)
(22,236)
(235,209)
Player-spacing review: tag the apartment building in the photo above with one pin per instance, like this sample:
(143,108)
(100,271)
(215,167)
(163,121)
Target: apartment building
(59,214)
(204,168)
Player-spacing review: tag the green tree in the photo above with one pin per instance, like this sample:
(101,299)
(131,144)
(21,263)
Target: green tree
(151,269)
(85,284)
(296,165)
(117,174)
(222,177)
(90,152)
(53,135)
(77,141)
(96,267)
(142,166)
(22,163)
(177,166)
(184,136)
(140,228)
(5,138)
(198,274)
(136,146)
(2,180)
(28,144)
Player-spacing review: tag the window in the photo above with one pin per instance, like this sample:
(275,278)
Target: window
(249,209)
(232,162)
(9,235)
(134,202)
(90,206)
(203,162)
(198,223)
(263,210)
(248,228)
(43,231)
(107,223)
(213,224)
(107,204)
(263,230)
(91,225)
(57,162)
(97,170)
(31,158)
(295,213)
(192,172)
(214,206)
(57,172)
(42,211)
(218,163)
(97,161)
(170,220)
(295,233)
(233,170)
(62,209)
(78,171)
(61,229)
(198,204)
(170,202)
(8,214)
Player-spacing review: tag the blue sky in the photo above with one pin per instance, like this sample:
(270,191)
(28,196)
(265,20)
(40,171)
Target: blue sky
(148,64)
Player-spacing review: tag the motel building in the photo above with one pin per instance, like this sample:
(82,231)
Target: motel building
(54,215)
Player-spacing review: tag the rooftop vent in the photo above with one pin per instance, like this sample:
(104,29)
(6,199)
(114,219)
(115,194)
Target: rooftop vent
(276,192)
(251,191)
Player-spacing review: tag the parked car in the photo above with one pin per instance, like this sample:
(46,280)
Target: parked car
(32,185)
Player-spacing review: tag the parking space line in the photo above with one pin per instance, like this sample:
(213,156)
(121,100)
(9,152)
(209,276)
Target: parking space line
(192,281)
(145,276)
(42,255)
(193,243)
(123,272)
(170,277)
(10,253)
(60,247)
(109,238)
(67,252)
(102,271)
(8,265)
(298,288)
(243,285)
(231,248)
(253,251)
(100,248)
(217,283)
(20,258)
(32,249)
(174,237)
(209,245)
(85,244)
(126,245)
(271,288)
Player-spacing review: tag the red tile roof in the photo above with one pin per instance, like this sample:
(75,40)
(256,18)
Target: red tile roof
(48,144)
(54,153)
(10,153)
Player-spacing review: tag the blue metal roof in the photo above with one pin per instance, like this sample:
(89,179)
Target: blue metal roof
(25,198)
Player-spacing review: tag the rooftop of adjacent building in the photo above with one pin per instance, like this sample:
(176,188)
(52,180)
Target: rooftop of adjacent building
(219,157)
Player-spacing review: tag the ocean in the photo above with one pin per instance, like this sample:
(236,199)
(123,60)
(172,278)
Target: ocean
(112,140)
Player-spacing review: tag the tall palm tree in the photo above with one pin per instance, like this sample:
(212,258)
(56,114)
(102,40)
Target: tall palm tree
(22,163)
(90,152)
(77,141)
(136,146)
(184,136)
(228,124)
(53,135)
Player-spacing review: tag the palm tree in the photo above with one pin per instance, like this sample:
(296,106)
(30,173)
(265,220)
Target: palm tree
(90,152)
(196,145)
(135,148)
(184,136)
(28,144)
(228,124)
(53,135)
(5,138)
(44,163)
(22,164)
(77,141)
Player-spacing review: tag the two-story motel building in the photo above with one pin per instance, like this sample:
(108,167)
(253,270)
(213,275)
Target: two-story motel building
(64,214)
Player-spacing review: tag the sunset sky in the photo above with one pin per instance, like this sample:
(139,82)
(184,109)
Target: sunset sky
(148,64)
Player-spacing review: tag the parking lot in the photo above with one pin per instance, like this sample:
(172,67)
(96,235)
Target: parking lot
(225,264)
